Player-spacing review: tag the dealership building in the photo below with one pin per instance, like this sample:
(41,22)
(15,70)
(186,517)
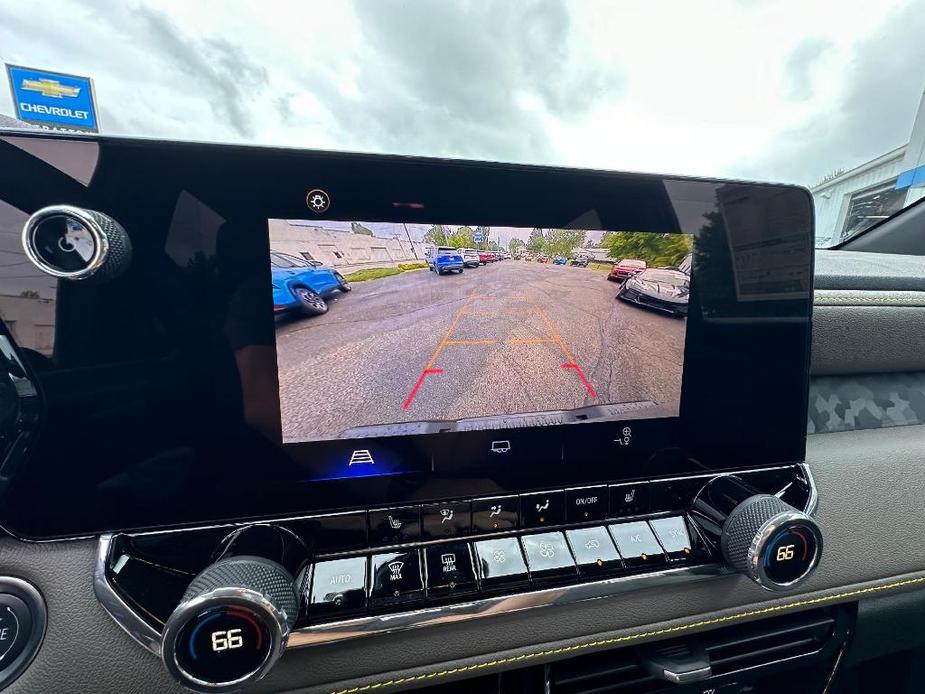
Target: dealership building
(860,197)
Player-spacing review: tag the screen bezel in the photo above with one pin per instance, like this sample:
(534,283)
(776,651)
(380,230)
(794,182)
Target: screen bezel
(758,350)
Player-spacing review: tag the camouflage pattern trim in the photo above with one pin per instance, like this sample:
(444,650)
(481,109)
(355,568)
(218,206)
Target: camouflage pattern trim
(873,401)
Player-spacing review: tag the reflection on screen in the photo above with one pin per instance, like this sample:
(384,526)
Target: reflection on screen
(387,329)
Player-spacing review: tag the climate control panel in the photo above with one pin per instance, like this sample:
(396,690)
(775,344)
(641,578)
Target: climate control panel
(231,598)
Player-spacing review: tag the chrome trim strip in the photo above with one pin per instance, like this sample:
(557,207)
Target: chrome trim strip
(813,504)
(366,626)
(505,604)
(130,621)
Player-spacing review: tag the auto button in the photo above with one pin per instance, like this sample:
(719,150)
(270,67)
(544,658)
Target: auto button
(338,588)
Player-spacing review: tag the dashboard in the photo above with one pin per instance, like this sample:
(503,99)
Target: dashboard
(298,420)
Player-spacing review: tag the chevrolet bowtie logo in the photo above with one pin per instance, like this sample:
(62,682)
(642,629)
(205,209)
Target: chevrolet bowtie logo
(52,88)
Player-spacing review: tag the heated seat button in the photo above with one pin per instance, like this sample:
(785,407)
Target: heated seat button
(395,526)
(450,519)
(338,588)
(544,508)
(396,578)
(673,535)
(449,570)
(593,550)
(495,513)
(586,504)
(629,499)
(501,563)
(637,543)
(548,556)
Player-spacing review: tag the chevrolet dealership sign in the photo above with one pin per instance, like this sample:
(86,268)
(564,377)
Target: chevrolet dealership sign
(53,99)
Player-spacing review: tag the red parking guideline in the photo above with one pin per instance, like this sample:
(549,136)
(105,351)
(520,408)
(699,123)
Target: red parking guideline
(581,375)
(417,385)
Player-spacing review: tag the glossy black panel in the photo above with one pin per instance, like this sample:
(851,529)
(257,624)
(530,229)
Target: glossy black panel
(159,389)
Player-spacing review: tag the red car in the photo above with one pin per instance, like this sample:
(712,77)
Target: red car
(625,269)
(485,257)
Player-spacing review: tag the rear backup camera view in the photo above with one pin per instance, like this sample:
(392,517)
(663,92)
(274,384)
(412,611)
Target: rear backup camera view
(387,329)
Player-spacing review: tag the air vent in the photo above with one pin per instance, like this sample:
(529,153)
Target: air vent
(792,639)
(768,641)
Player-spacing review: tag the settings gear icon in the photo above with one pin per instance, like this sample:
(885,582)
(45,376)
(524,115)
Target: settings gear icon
(317,200)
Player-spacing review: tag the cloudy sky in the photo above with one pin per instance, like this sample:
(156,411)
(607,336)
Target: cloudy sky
(774,90)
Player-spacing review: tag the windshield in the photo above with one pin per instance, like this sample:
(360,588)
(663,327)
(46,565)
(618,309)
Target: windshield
(825,94)
(673,277)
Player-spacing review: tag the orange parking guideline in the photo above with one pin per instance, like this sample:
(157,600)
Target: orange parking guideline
(463,310)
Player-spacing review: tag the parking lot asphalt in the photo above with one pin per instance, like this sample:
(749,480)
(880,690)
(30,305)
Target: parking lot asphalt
(510,337)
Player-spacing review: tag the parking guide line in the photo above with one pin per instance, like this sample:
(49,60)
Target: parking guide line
(571,363)
(414,391)
(429,369)
(472,342)
(581,375)
(532,341)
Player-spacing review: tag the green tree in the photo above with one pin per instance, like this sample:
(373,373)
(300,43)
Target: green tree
(536,241)
(655,249)
(436,235)
(360,229)
(563,241)
(463,237)
(515,246)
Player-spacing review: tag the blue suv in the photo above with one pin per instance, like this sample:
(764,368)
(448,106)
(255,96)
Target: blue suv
(303,285)
(445,259)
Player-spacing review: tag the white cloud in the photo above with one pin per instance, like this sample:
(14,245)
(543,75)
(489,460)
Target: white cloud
(680,87)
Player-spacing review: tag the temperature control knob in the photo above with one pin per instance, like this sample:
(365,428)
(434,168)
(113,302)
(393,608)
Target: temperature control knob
(771,542)
(761,536)
(231,625)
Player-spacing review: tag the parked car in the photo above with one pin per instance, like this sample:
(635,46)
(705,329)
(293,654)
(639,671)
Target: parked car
(559,260)
(470,257)
(542,258)
(303,285)
(445,259)
(484,257)
(625,269)
(580,262)
(663,290)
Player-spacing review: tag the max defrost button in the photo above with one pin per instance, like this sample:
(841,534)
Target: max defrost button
(396,578)
(338,588)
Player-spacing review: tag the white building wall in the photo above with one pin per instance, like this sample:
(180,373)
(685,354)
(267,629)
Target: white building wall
(831,198)
(342,249)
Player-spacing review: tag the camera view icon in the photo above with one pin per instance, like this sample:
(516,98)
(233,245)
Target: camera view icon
(500,446)
(361,457)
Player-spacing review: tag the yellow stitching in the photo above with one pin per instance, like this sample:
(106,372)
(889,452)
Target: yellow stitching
(911,300)
(629,637)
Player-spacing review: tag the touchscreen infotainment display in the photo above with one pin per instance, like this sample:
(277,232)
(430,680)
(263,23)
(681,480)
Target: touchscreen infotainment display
(449,328)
